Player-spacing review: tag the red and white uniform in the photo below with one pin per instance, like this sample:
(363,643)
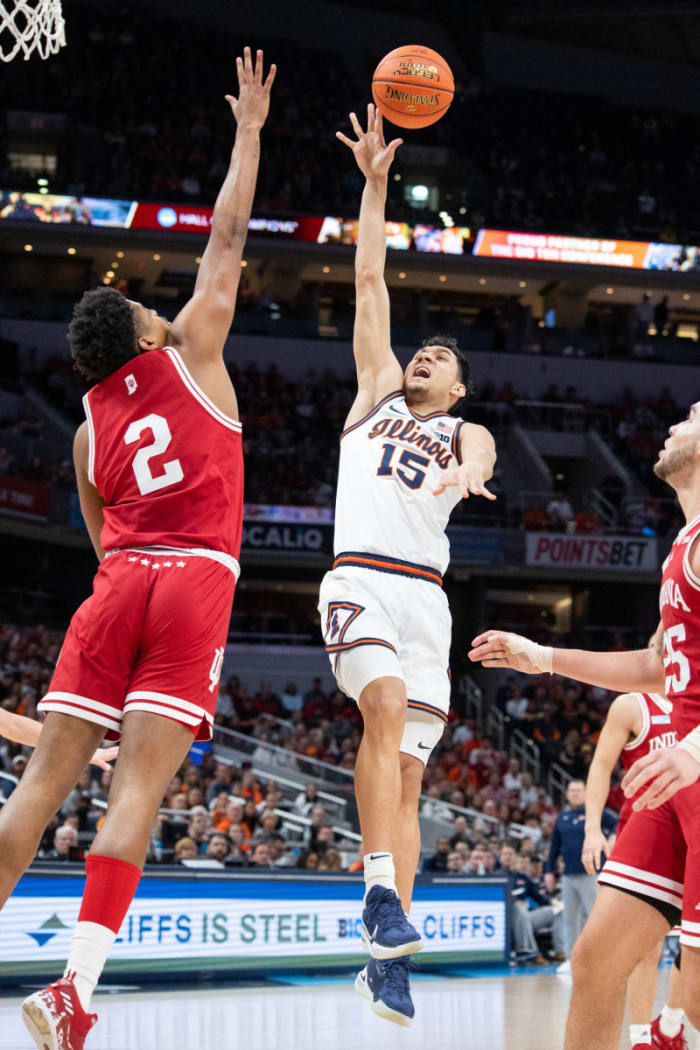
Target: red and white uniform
(169,466)
(656,732)
(658,855)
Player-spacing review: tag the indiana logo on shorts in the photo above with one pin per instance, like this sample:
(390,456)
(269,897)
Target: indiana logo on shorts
(215,670)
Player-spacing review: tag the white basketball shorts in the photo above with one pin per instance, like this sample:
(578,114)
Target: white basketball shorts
(380,618)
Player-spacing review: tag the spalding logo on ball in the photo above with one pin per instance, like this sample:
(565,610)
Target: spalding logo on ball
(413,86)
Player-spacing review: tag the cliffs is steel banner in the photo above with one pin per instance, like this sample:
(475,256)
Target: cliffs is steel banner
(199,921)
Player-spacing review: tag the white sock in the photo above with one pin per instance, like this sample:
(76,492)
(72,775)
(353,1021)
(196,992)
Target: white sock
(379,871)
(640,1033)
(89,949)
(670,1021)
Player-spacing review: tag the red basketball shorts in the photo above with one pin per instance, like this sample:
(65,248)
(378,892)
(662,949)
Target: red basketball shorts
(657,855)
(151,637)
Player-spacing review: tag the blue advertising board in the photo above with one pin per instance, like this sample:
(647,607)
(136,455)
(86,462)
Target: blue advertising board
(193,921)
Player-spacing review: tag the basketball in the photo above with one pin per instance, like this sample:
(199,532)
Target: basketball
(413,86)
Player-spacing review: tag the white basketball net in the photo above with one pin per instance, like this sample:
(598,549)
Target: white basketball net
(30,25)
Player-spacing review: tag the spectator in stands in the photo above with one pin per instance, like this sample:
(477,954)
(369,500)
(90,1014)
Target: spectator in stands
(315,702)
(198,828)
(433,808)
(260,855)
(221,783)
(319,817)
(578,888)
(484,760)
(330,861)
(461,832)
(291,699)
(277,849)
(218,847)
(476,864)
(512,780)
(307,859)
(185,849)
(65,844)
(455,863)
(532,912)
(306,800)
(438,860)
(323,839)
(560,512)
(529,794)
(238,846)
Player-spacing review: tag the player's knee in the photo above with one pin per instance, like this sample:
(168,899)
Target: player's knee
(383,705)
(583,958)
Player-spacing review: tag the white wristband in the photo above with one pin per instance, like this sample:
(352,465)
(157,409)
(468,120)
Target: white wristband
(540,655)
(691,743)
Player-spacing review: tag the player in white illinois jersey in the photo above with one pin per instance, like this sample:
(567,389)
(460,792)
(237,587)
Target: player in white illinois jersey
(404,464)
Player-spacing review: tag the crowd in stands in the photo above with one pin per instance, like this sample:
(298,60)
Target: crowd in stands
(588,168)
(466,770)
(291,444)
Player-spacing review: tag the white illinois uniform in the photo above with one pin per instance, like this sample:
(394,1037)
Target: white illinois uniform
(383,610)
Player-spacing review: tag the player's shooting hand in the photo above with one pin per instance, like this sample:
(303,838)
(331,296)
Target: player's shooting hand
(372,154)
(595,845)
(103,756)
(504,649)
(669,770)
(469,479)
(253,102)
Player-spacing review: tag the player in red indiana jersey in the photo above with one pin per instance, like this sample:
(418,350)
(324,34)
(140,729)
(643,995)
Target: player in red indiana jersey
(160,477)
(637,724)
(652,878)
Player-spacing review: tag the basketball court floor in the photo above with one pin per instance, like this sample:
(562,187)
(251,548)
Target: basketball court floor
(495,1012)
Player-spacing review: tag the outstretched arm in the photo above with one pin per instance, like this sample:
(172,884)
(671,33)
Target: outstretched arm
(203,324)
(624,718)
(477,454)
(27,732)
(378,370)
(641,670)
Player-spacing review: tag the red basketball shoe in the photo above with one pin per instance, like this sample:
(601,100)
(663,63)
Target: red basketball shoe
(55,1018)
(642,1046)
(659,1041)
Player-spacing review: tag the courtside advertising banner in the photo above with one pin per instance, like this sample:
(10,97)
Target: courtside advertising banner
(599,553)
(194,921)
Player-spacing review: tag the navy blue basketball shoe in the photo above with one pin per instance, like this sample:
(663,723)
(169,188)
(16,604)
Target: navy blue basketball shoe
(386,932)
(386,986)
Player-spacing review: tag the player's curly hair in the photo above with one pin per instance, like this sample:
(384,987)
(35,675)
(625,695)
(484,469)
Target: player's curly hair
(464,370)
(102,334)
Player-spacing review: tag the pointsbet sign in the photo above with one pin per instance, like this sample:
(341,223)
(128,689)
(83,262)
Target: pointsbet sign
(225,922)
(565,551)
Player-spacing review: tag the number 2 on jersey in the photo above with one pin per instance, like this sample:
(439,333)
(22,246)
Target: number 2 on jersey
(412,477)
(675,683)
(172,471)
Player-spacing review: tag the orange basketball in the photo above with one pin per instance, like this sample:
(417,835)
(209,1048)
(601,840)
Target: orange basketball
(413,86)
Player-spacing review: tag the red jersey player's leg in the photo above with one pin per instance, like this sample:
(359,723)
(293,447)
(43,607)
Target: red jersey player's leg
(687,805)
(170,697)
(152,750)
(83,703)
(641,890)
(62,752)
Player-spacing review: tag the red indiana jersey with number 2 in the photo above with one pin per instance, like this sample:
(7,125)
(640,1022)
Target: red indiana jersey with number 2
(167,462)
(679,602)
